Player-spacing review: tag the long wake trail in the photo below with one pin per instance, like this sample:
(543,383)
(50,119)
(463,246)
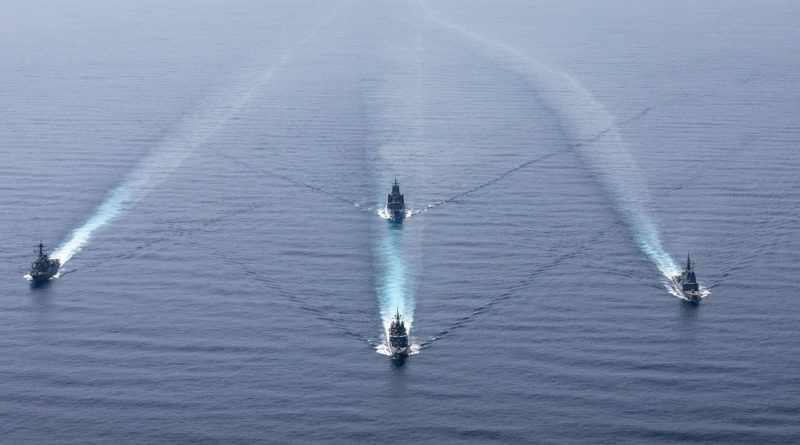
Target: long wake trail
(395,287)
(591,128)
(482,185)
(191,133)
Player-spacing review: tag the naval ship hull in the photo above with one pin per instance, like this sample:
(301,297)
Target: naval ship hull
(398,339)
(396,204)
(397,216)
(43,268)
(41,278)
(38,280)
(399,353)
(691,296)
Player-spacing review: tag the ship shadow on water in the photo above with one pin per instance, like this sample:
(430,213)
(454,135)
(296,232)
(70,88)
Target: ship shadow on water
(398,362)
(687,321)
(39,286)
(689,310)
(41,294)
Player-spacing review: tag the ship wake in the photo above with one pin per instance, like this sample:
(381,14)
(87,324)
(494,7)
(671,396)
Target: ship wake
(675,292)
(592,130)
(383,349)
(191,133)
(383,213)
(395,285)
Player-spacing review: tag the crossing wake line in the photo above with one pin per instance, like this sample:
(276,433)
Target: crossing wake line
(512,291)
(322,191)
(517,168)
(483,185)
(381,212)
(323,315)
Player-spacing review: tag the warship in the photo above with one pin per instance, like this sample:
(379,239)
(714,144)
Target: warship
(43,268)
(395,204)
(686,283)
(398,338)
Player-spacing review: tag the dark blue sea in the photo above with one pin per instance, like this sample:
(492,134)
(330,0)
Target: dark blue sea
(212,174)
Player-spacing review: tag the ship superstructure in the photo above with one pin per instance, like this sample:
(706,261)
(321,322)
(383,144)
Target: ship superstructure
(395,204)
(398,338)
(686,283)
(43,267)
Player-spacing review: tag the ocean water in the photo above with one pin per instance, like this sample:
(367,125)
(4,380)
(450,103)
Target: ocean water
(212,174)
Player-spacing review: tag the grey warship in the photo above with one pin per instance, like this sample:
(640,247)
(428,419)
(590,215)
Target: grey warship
(686,283)
(398,338)
(43,267)
(395,204)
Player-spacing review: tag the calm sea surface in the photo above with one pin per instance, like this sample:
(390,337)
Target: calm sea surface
(210,172)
